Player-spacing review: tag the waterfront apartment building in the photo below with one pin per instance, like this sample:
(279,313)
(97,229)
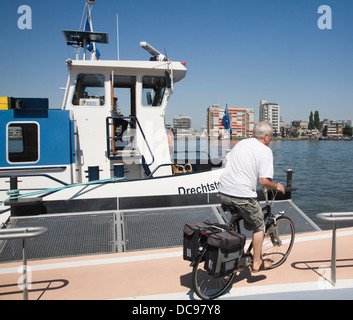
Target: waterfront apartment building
(182,125)
(242,121)
(270,112)
(334,127)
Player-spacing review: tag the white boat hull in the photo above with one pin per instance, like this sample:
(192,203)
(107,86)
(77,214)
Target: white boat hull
(188,184)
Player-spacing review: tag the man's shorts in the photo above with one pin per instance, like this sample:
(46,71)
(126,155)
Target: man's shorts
(249,209)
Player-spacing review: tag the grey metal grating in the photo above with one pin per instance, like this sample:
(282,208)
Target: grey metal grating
(69,235)
(94,233)
(161,228)
(301,222)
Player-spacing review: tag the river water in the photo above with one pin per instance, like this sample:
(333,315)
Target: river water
(323,174)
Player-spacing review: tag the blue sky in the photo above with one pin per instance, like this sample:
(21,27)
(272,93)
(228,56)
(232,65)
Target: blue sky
(237,52)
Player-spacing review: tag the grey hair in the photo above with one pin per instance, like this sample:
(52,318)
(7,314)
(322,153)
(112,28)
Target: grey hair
(261,129)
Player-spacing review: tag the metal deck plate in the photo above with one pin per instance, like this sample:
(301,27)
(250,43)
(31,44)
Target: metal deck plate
(162,228)
(302,223)
(69,235)
(125,230)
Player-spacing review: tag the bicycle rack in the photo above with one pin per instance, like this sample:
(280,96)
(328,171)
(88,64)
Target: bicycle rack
(24,234)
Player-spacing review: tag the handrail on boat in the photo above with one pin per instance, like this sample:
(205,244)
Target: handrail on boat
(23,234)
(163,165)
(334,218)
(147,144)
(14,194)
(136,121)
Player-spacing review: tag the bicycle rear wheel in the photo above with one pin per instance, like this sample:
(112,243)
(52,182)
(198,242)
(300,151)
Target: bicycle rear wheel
(278,242)
(205,285)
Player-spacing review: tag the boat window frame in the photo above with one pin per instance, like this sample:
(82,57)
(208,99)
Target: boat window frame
(37,146)
(75,86)
(131,86)
(160,105)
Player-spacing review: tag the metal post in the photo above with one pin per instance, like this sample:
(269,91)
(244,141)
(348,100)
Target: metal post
(289,177)
(13,183)
(84,48)
(289,183)
(334,218)
(333,255)
(24,271)
(198,151)
(117,35)
(119,170)
(23,233)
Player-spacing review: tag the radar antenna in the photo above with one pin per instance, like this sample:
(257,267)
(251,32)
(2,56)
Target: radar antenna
(156,55)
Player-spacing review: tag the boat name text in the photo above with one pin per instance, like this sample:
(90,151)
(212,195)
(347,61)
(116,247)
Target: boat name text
(203,188)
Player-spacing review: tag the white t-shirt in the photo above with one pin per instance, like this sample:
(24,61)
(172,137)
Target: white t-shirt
(249,161)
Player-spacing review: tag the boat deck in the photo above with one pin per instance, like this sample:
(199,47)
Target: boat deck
(90,267)
(123,230)
(162,274)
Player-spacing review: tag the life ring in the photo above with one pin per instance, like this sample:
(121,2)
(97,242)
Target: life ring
(180,169)
(188,168)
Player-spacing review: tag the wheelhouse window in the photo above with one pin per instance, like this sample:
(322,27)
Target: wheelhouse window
(23,142)
(153,91)
(89,90)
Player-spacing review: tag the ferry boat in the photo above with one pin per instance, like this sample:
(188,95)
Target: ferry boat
(87,155)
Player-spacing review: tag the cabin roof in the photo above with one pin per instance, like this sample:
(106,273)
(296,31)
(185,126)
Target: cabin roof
(137,67)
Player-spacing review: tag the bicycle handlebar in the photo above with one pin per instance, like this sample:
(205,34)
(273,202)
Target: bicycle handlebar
(274,193)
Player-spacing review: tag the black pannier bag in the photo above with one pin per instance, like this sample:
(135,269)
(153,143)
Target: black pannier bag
(191,241)
(224,252)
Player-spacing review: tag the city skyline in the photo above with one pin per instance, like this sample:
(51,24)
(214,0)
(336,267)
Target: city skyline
(236,52)
(256,116)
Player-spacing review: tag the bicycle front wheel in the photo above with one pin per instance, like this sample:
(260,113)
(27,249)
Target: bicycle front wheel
(205,285)
(278,242)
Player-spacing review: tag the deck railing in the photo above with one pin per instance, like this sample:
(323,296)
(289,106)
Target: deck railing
(334,218)
(24,234)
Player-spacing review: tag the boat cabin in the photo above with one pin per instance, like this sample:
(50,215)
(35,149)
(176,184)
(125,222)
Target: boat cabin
(111,125)
(109,134)
(94,137)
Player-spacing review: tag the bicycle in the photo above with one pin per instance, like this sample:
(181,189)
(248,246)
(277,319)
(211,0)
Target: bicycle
(277,245)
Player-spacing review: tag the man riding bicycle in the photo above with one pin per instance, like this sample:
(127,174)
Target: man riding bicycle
(249,161)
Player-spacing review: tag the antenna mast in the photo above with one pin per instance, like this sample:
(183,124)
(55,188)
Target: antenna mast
(117,35)
(90,3)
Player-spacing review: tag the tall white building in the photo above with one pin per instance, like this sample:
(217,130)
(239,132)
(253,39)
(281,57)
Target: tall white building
(270,112)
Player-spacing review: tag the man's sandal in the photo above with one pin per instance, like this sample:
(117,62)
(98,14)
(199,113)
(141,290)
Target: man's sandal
(262,267)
